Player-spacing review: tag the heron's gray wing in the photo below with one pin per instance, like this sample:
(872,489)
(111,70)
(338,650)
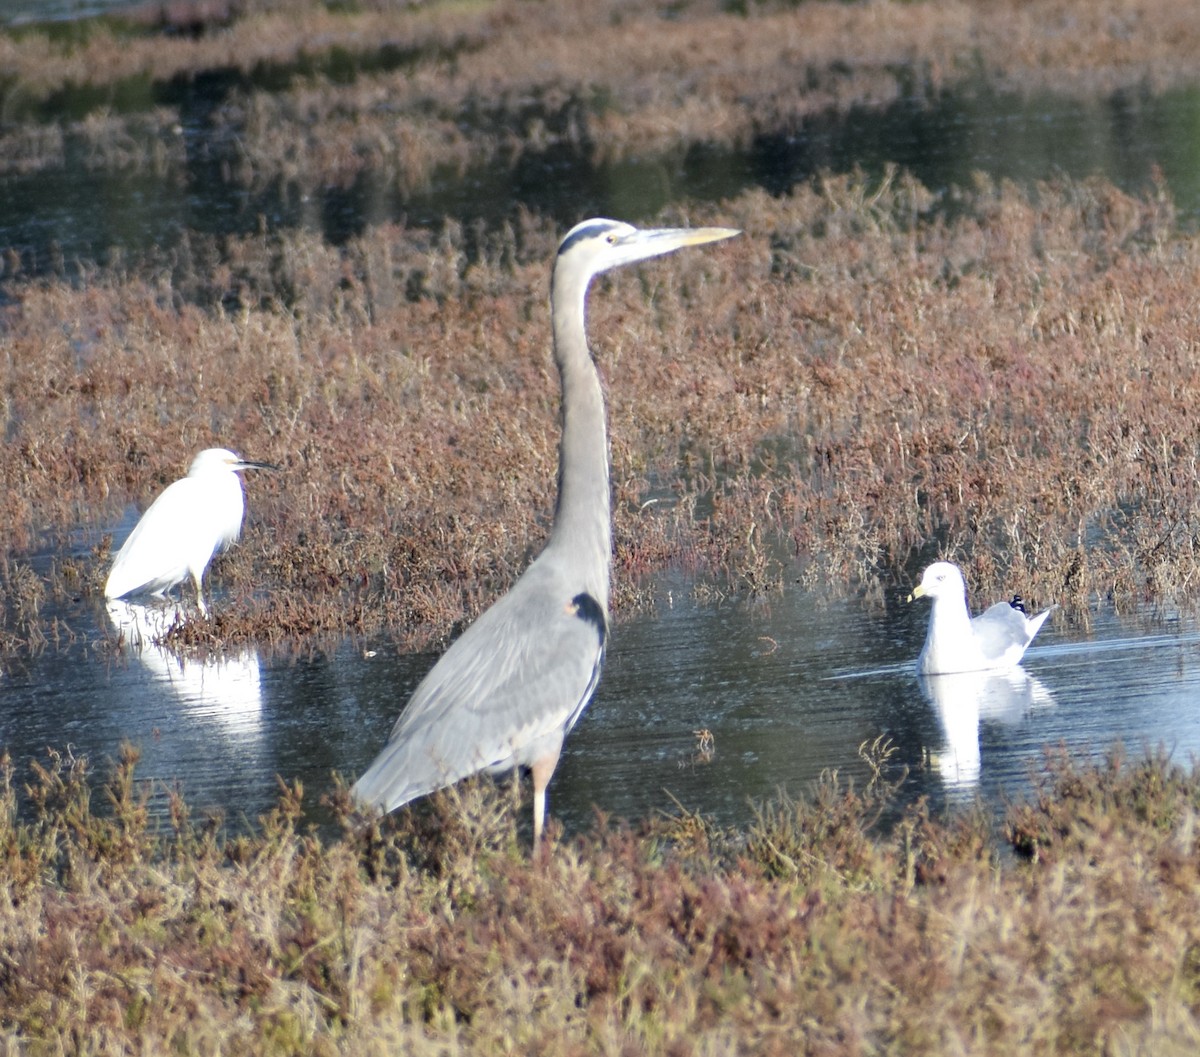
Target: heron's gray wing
(520,675)
(1000,629)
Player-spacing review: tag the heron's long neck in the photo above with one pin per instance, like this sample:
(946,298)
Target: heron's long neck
(582,520)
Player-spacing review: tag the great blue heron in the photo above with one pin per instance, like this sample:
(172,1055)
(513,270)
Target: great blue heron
(508,690)
(183,528)
(956,642)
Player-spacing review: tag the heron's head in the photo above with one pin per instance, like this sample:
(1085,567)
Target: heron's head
(595,246)
(940,580)
(222,460)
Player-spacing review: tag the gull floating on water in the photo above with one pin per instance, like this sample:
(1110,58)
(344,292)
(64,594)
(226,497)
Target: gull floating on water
(956,642)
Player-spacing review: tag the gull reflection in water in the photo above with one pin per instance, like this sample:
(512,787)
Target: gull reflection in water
(964,699)
(226,688)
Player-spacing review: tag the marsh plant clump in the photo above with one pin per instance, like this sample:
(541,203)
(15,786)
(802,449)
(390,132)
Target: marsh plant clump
(869,374)
(874,374)
(816,931)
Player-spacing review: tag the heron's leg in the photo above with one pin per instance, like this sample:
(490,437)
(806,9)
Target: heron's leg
(542,770)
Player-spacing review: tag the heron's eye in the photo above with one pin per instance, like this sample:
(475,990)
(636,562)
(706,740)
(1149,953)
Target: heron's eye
(611,238)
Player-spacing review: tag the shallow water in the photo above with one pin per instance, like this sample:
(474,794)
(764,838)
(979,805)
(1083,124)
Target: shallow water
(786,690)
(51,220)
(20,12)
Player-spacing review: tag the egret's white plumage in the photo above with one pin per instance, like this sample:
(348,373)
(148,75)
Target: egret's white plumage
(956,642)
(506,693)
(183,528)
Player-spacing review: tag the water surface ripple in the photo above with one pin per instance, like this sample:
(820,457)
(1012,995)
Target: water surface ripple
(57,217)
(786,690)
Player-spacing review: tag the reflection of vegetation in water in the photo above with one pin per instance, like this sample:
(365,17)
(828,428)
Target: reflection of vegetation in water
(167,178)
(355,116)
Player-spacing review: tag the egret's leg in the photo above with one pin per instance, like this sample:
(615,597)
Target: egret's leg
(199,595)
(542,770)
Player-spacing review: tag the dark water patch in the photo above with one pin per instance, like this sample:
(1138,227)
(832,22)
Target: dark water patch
(784,691)
(944,141)
(336,64)
(89,210)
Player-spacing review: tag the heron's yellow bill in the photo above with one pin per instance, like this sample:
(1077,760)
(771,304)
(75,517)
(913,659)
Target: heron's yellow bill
(677,238)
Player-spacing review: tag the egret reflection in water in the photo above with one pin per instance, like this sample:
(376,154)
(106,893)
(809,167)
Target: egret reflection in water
(962,701)
(226,688)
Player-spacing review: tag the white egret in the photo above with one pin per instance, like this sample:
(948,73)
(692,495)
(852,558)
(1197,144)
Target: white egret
(183,528)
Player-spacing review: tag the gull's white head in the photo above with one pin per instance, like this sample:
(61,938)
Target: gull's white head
(940,580)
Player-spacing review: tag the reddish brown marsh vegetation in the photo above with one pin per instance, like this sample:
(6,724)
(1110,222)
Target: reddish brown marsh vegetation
(813,933)
(867,373)
(1010,380)
(406,90)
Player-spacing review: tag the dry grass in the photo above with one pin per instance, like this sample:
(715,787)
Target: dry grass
(815,932)
(877,376)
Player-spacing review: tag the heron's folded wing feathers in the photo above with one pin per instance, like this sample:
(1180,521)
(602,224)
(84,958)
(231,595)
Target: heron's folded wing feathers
(522,672)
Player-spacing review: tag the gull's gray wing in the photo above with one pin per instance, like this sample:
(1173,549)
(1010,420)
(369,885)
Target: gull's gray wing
(1001,629)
